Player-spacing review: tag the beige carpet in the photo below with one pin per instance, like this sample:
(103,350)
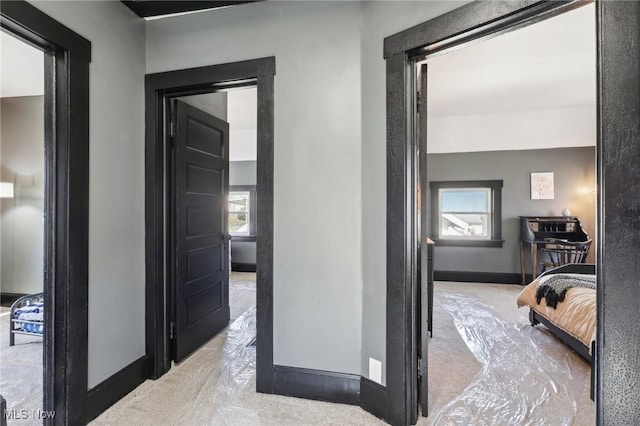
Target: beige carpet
(216,384)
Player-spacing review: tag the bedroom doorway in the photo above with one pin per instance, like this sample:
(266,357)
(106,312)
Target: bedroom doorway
(616,33)
(483,131)
(22,212)
(48,192)
(204,90)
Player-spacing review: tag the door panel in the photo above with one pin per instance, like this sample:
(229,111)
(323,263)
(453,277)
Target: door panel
(201,253)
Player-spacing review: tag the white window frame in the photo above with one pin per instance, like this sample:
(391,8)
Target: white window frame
(488,213)
(248,212)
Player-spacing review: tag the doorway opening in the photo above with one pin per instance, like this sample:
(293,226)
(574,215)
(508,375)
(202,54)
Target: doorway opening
(22,212)
(61,189)
(213,168)
(524,109)
(220,217)
(405,228)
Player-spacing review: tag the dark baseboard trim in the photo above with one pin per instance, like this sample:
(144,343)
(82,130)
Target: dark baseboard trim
(3,411)
(110,391)
(243,267)
(7,299)
(373,398)
(316,384)
(478,277)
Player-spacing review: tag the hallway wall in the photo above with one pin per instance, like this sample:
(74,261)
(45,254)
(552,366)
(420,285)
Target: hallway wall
(329,90)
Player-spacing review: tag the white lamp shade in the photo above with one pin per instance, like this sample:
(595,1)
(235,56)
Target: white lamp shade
(6,190)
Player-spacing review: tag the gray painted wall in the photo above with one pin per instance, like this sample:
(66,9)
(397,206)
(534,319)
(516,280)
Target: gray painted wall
(574,175)
(116,180)
(21,217)
(243,173)
(243,252)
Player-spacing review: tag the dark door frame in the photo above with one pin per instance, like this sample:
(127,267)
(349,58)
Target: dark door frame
(67,58)
(159,89)
(618,183)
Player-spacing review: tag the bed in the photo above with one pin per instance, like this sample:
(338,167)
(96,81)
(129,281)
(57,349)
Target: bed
(572,320)
(27,317)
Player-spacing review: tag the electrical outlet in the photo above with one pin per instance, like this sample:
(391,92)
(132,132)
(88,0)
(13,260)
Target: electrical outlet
(375,370)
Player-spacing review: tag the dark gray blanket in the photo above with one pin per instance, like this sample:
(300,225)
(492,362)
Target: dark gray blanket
(555,288)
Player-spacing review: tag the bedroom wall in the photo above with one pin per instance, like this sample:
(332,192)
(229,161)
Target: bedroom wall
(574,175)
(21,217)
(242,173)
(116,180)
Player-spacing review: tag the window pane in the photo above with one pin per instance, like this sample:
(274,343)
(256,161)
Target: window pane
(239,212)
(238,223)
(465,225)
(239,201)
(465,200)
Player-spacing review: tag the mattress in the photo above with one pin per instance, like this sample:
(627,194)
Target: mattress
(576,314)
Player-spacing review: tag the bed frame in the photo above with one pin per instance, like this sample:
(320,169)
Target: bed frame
(572,342)
(20,303)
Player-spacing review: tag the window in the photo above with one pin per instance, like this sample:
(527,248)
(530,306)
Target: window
(467,213)
(242,211)
(239,213)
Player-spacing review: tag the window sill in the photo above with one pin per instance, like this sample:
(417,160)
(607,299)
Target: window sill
(468,243)
(243,238)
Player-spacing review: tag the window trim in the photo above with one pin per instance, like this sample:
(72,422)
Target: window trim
(495,239)
(253,220)
(230,212)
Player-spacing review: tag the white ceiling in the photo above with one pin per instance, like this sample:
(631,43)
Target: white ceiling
(242,108)
(242,115)
(550,64)
(21,68)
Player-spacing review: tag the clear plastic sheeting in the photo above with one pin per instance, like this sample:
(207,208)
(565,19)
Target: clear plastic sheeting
(526,378)
(216,386)
(238,370)
(239,285)
(229,378)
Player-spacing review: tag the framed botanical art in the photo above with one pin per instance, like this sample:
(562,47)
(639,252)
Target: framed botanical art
(542,186)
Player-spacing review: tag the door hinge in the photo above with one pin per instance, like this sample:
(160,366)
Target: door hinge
(172,129)
(422,367)
(417,101)
(172,328)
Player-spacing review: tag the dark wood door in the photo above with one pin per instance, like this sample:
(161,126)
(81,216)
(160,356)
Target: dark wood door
(200,235)
(425,292)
